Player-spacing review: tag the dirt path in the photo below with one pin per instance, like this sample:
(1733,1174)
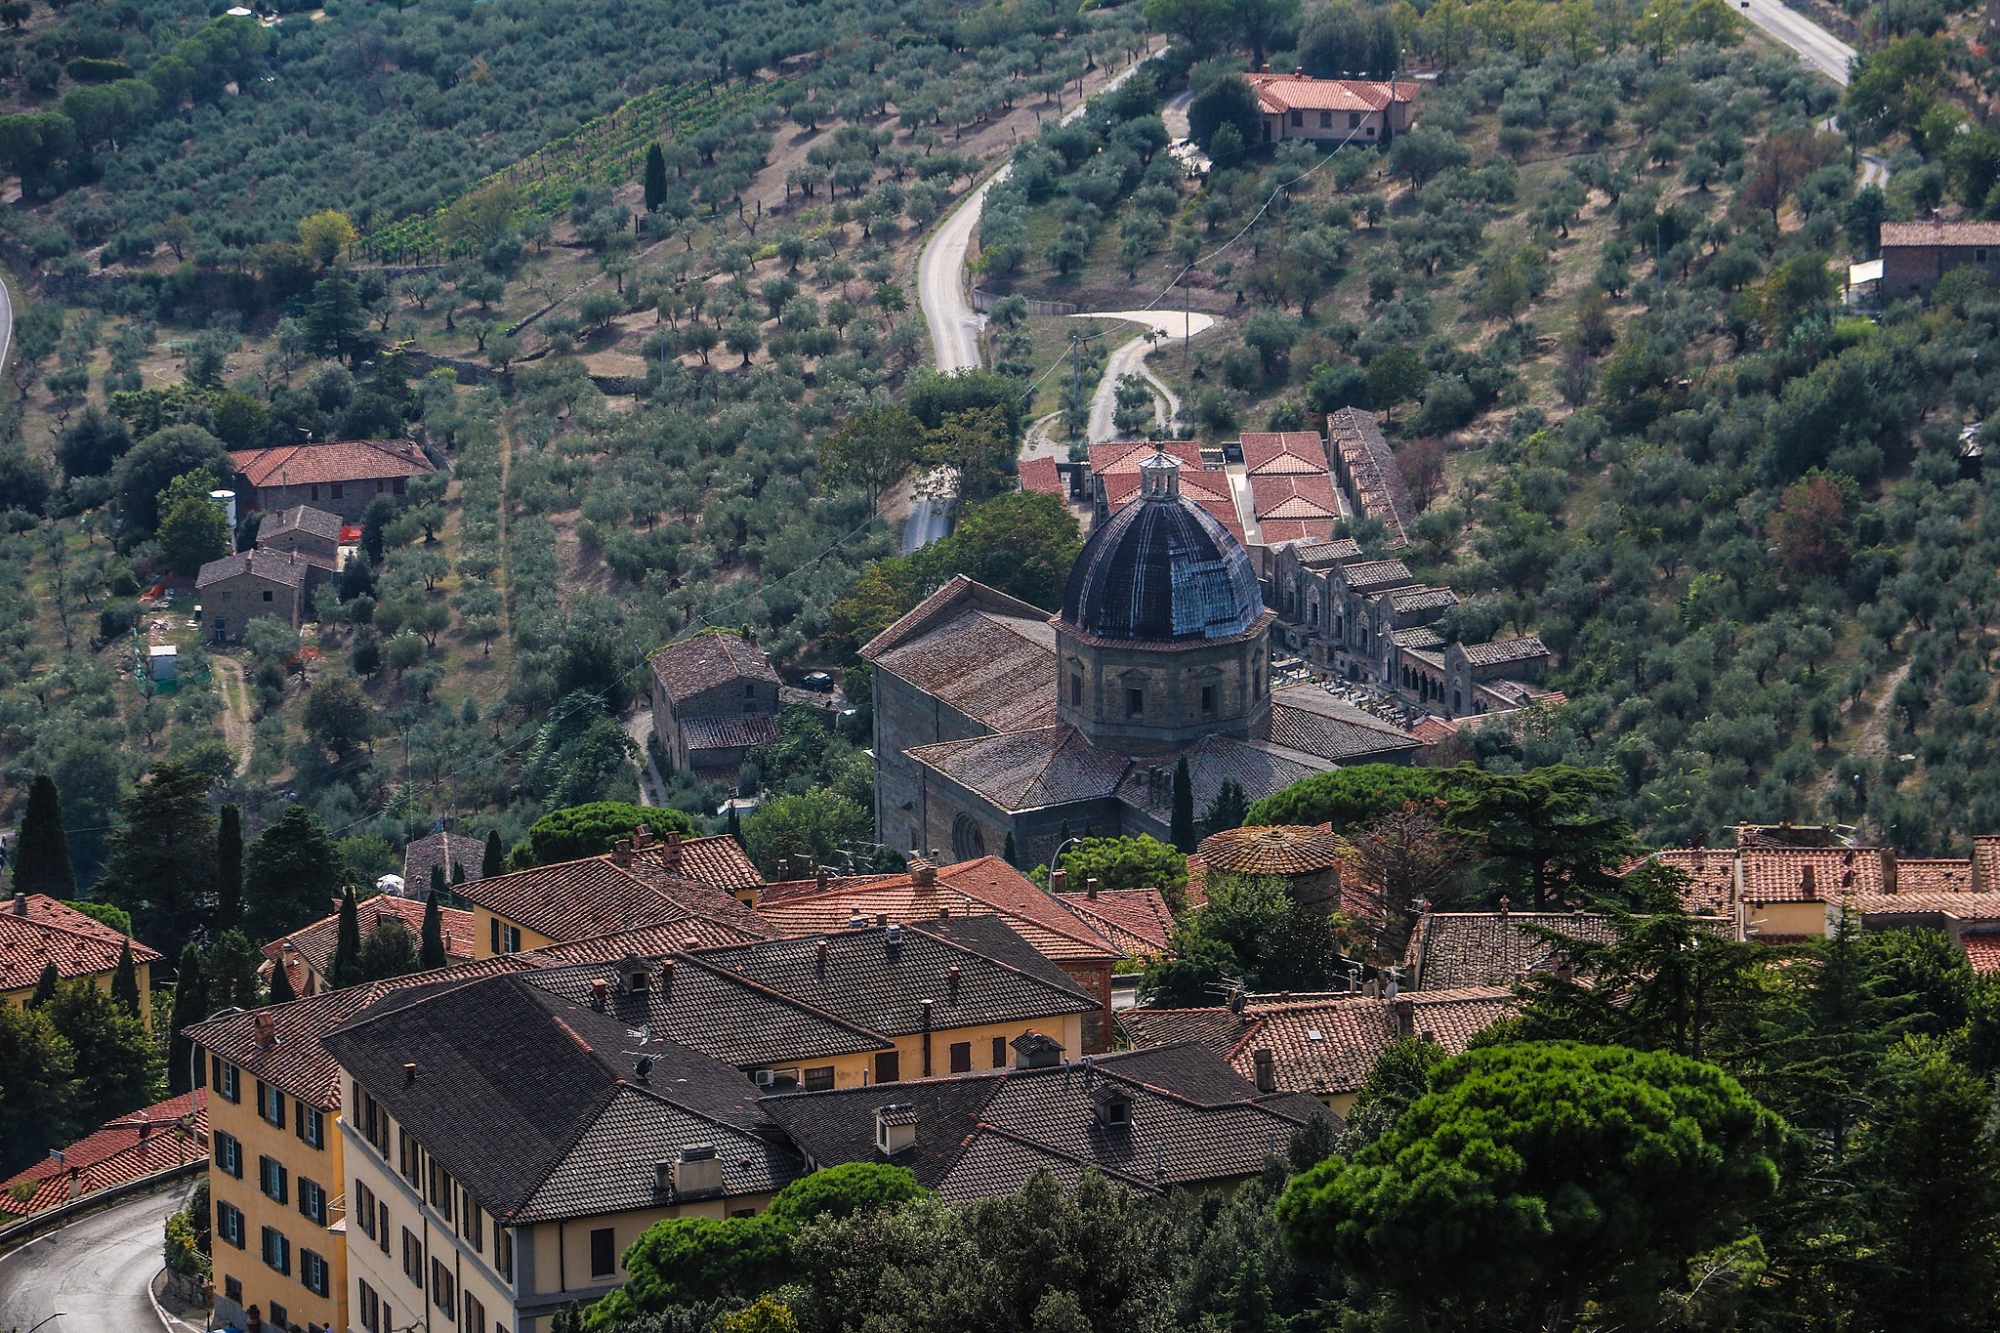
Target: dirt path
(1130,359)
(235,708)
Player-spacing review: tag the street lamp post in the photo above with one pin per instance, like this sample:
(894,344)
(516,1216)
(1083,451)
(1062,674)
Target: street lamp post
(1055,862)
(57,1315)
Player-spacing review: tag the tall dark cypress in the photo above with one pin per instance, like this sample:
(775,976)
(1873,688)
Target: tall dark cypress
(437,881)
(656,178)
(228,868)
(190,1007)
(280,990)
(41,852)
(346,962)
(45,986)
(1183,817)
(432,955)
(1011,856)
(125,979)
(496,855)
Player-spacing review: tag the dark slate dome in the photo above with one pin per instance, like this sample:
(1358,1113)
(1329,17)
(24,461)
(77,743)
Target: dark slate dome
(1162,569)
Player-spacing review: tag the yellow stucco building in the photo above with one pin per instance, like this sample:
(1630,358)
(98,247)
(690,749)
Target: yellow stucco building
(37,930)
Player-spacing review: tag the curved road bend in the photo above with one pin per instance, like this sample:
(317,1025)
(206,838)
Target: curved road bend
(94,1272)
(1129,358)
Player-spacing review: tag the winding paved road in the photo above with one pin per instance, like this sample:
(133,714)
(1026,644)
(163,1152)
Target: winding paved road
(94,1273)
(1820,49)
(1130,359)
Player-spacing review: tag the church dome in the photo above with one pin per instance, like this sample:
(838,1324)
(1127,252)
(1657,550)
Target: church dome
(1162,569)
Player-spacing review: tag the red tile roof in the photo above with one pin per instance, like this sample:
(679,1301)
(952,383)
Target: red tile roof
(987,886)
(1286,92)
(716,861)
(1136,920)
(1940,233)
(596,896)
(329,461)
(729,731)
(166,1134)
(314,944)
(1117,466)
(1982,950)
(1275,453)
(1711,887)
(703,661)
(1305,497)
(36,930)
(1809,874)
(1278,849)
(1040,474)
(1961,906)
(1925,874)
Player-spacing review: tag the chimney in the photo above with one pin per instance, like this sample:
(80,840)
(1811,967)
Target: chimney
(927,1006)
(1406,1017)
(1503,907)
(819,881)
(642,837)
(1090,887)
(1809,884)
(670,851)
(696,1173)
(951,981)
(892,942)
(666,975)
(267,1030)
(1888,870)
(20,904)
(857,920)
(1058,880)
(409,1072)
(820,958)
(598,991)
(1267,1070)
(621,852)
(922,873)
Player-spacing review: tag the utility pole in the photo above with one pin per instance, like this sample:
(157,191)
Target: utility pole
(1075,384)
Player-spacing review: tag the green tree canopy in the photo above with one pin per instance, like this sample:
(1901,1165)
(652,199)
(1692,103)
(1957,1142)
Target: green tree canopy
(816,824)
(163,856)
(41,851)
(589,830)
(152,464)
(292,876)
(1533,1179)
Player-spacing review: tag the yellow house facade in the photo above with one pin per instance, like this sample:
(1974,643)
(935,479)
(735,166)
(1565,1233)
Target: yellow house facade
(275,1184)
(505,1181)
(36,930)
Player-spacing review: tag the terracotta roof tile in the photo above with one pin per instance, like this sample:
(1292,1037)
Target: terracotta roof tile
(729,731)
(1040,474)
(1278,849)
(1917,874)
(1287,92)
(314,944)
(132,1146)
(330,461)
(703,661)
(1376,575)
(596,896)
(1313,555)
(1294,496)
(1961,906)
(36,930)
(717,861)
(1982,950)
(1276,530)
(1711,887)
(1276,453)
(1895,234)
(1327,1047)
(1809,874)
(1136,920)
(987,886)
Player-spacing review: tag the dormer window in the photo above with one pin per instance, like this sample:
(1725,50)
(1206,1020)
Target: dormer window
(1114,1107)
(895,1129)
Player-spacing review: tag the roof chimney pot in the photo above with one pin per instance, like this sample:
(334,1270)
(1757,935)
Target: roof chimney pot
(819,880)
(1058,880)
(20,904)
(922,873)
(951,978)
(1406,1017)
(1266,1065)
(409,1072)
(598,992)
(666,974)
(1090,887)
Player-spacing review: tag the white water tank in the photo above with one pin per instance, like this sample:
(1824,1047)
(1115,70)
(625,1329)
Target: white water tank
(227,499)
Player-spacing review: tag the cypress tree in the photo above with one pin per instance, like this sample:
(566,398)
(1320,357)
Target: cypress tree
(656,178)
(1183,816)
(190,1007)
(41,852)
(735,825)
(346,962)
(1009,854)
(496,855)
(437,881)
(125,980)
(280,991)
(228,867)
(457,872)
(432,954)
(45,986)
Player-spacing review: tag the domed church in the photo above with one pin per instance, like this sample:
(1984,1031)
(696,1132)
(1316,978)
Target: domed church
(993,718)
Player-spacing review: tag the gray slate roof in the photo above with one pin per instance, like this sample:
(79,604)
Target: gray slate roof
(524,1122)
(1193,1121)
